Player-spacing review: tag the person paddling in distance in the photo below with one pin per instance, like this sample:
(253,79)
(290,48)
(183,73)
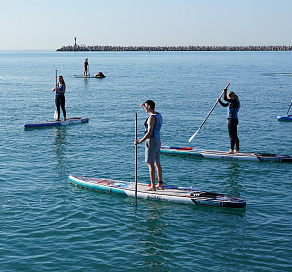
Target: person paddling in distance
(60,89)
(152,144)
(233,106)
(85,66)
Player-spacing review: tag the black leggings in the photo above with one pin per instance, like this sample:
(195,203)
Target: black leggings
(232,129)
(60,102)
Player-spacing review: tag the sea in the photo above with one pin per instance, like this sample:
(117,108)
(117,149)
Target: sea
(48,224)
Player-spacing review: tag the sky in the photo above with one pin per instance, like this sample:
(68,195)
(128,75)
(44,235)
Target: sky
(51,24)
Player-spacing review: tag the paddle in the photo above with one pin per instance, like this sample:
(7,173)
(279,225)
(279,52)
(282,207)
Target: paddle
(136,160)
(289,107)
(56,112)
(207,115)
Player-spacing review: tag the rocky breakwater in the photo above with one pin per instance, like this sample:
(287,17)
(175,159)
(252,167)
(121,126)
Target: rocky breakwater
(174,48)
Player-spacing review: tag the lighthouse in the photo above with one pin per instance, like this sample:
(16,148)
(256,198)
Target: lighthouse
(75,41)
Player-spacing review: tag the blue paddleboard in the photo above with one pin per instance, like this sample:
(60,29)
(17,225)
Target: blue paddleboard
(53,123)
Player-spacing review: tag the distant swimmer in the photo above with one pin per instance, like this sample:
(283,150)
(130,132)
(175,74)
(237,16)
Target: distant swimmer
(60,89)
(86,66)
(233,106)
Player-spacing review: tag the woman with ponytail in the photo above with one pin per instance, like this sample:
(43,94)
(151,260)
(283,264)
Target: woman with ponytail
(60,89)
(233,106)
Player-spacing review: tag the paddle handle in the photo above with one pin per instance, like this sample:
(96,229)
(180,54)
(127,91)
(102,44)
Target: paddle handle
(193,136)
(136,162)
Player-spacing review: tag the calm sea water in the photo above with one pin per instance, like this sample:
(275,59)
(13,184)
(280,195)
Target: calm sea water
(47,224)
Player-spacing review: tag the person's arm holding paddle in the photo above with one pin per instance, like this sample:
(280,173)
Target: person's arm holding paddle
(219,99)
(60,88)
(209,113)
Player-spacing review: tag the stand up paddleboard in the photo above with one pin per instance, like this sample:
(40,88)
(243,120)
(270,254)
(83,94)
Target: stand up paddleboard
(170,193)
(95,76)
(215,154)
(53,123)
(285,118)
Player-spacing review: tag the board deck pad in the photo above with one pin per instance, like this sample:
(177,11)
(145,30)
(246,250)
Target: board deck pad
(54,123)
(186,195)
(216,154)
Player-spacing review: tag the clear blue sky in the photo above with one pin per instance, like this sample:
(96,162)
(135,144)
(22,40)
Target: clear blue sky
(50,24)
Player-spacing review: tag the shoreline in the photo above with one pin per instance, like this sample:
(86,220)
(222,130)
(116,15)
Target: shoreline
(175,48)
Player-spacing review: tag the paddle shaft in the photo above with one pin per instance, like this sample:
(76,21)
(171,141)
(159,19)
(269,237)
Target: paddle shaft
(207,115)
(56,111)
(136,162)
(289,107)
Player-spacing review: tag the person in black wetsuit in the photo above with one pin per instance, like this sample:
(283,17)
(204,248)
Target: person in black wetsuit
(85,67)
(233,106)
(60,89)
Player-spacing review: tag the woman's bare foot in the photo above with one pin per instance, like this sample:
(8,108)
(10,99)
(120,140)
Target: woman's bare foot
(159,186)
(237,151)
(229,152)
(151,188)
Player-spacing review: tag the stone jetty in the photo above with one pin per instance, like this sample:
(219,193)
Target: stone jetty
(175,48)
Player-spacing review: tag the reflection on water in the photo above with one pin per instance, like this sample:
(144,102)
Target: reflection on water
(154,247)
(85,80)
(59,148)
(234,171)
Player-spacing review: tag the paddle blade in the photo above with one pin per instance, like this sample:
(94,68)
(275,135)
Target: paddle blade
(193,136)
(56,115)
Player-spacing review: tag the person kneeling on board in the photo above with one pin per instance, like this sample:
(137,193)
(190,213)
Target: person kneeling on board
(152,144)
(60,89)
(232,116)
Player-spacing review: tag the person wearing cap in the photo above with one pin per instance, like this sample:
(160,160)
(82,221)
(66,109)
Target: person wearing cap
(233,106)
(152,144)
